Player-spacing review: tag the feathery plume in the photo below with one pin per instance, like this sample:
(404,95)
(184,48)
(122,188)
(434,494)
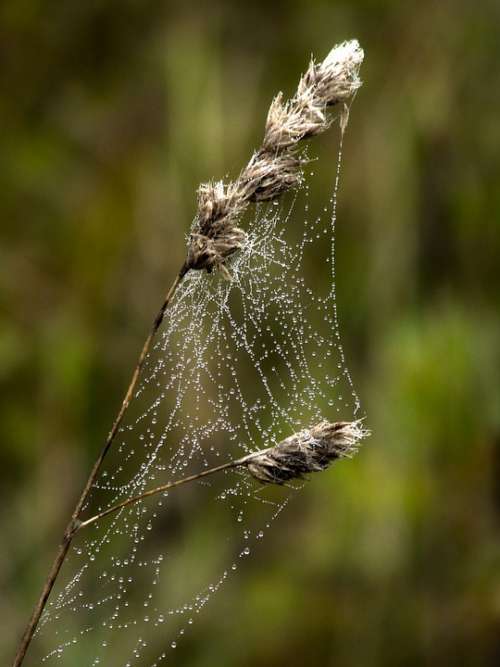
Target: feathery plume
(310,450)
(277,166)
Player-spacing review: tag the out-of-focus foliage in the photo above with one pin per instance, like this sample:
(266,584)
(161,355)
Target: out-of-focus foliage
(111,113)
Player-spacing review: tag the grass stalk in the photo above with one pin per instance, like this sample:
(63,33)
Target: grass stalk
(273,169)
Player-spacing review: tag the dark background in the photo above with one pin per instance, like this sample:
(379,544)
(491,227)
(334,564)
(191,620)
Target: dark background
(111,113)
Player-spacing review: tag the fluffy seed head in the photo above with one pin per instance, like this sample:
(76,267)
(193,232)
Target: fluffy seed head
(216,237)
(216,202)
(330,82)
(277,166)
(267,176)
(336,79)
(289,122)
(310,450)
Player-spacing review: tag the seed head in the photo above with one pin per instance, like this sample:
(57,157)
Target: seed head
(277,166)
(216,237)
(267,175)
(336,79)
(330,82)
(310,450)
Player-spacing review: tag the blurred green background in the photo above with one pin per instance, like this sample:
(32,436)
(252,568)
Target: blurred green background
(111,114)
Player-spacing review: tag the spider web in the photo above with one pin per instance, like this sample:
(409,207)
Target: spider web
(238,366)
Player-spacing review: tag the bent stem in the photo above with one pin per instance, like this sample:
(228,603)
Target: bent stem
(74,522)
(160,489)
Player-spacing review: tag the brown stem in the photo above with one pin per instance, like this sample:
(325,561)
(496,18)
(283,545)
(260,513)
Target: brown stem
(159,489)
(74,522)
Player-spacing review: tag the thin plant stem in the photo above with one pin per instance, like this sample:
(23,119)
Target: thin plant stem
(74,522)
(159,489)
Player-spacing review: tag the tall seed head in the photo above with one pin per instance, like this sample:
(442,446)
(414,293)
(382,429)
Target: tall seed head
(277,166)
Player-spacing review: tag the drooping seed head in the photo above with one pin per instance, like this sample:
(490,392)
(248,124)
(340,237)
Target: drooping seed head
(310,450)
